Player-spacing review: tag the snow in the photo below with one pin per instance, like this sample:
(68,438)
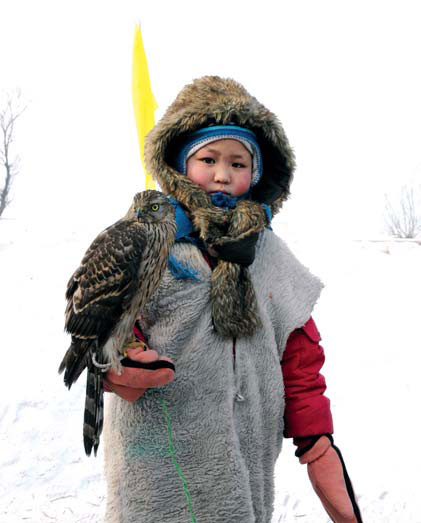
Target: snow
(369,320)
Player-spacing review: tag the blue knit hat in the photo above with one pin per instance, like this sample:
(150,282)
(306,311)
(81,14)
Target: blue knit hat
(198,139)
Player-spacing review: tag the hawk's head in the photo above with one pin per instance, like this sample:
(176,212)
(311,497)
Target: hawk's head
(151,206)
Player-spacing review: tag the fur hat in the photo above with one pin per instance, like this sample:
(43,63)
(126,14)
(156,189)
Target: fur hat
(215,101)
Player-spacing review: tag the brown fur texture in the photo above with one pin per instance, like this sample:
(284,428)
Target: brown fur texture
(212,100)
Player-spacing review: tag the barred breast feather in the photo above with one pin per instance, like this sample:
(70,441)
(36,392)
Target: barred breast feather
(117,276)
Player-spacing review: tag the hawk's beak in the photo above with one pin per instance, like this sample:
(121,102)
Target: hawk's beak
(140,213)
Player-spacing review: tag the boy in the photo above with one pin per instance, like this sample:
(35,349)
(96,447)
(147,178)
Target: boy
(233,313)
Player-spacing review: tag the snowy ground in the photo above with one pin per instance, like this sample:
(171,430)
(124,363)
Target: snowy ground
(368,317)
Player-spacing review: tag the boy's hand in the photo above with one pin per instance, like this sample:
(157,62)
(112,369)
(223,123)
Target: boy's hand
(133,382)
(331,482)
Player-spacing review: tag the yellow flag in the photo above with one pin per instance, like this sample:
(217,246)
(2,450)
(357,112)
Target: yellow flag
(144,103)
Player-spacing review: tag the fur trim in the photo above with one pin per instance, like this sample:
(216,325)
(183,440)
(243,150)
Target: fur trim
(220,101)
(213,100)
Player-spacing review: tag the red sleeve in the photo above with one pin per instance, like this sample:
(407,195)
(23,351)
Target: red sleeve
(307,409)
(138,333)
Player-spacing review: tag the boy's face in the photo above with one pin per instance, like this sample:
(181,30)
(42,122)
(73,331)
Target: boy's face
(222,166)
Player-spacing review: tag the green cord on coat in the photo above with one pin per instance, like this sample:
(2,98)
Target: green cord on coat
(174,459)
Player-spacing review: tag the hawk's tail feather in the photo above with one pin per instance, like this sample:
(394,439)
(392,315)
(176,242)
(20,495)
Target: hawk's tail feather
(94,410)
(75,360)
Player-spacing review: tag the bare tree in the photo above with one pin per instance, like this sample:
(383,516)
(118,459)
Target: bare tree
(403,219)
(11,109)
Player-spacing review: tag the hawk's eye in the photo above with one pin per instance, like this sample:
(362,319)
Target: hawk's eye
(155,206)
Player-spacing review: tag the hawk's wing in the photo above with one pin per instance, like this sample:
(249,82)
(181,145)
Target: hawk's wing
(100,290)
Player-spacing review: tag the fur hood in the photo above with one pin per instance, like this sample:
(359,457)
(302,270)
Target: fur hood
(216,101)
(220,101)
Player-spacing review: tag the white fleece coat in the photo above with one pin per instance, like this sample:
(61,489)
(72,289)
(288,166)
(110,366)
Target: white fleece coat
(226,414)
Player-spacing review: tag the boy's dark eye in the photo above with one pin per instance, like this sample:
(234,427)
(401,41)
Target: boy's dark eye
(208,160)
(238,165)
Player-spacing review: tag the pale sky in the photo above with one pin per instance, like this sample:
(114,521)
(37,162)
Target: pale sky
(343,77)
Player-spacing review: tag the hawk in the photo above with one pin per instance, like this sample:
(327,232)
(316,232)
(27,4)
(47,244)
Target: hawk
(118,274)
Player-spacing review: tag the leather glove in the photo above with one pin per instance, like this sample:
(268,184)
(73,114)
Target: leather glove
(330,480)
(237,251)
(132,383)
